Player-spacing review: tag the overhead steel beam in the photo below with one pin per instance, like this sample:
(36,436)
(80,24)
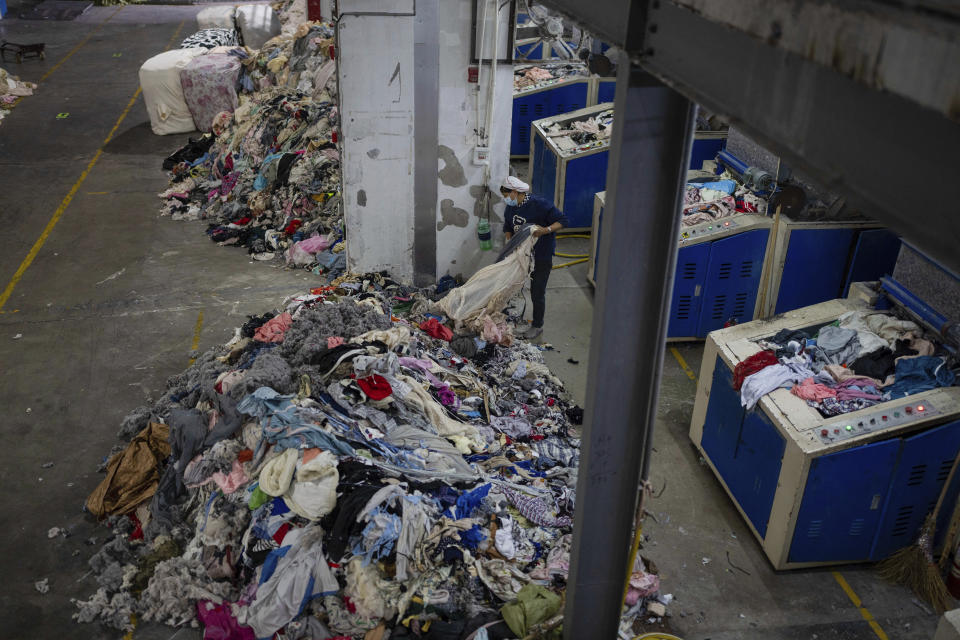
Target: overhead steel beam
(894,159)
(891,157)
(649,151)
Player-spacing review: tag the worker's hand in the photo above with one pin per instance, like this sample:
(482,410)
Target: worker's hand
(540,231)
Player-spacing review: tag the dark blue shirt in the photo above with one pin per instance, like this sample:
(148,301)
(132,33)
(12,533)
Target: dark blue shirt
(538,211)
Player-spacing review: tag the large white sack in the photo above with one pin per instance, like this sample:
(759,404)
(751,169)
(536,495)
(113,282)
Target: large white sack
(257,23)
(162,93)
(489,289)
(216,18)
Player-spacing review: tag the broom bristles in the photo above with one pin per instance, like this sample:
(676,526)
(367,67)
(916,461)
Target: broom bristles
(913,567)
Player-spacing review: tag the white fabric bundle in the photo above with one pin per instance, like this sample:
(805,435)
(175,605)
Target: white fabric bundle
(162,93)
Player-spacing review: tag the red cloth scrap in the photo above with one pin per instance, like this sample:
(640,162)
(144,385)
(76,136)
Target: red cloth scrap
(751,365)
(437,330)
(376,387)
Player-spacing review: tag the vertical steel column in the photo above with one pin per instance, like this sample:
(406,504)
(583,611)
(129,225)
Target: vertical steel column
(650,149)
(426,105)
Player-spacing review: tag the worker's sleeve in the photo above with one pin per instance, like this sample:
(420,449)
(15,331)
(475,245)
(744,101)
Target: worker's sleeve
(555,215)
(507,217)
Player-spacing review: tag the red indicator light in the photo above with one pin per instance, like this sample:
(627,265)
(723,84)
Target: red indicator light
(919,407)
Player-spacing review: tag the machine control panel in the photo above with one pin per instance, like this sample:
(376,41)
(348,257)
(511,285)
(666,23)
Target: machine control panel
(697,231)
(838,430)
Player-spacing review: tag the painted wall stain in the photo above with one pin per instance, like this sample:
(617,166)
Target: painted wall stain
(373,154)
(476,192)
(452,173)
(362,198)
(451,215)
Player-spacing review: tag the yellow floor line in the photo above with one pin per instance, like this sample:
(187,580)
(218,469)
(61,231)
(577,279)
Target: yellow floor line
(855,599)
(683,364)
(196,335)
(35,249)
(79,46)
(72,51)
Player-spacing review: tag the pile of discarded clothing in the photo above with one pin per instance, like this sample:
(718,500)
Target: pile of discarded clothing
(267,177)
(544,74)
(579,135)
(865,358)
(11,90)
(343,466)
(715,199)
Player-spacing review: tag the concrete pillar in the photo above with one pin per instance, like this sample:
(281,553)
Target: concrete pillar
(409,116)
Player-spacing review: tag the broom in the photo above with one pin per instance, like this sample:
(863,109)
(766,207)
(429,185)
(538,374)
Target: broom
(914,567)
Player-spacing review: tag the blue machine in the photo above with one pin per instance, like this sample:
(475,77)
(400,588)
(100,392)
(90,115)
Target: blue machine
(719,272)
(544,101)
(815,490)
(604,89)
(718,277)
(529,49)
(817,261)
(599,202)
(569,177)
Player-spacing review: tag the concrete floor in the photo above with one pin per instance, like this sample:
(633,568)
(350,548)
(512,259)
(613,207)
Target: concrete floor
(116,296)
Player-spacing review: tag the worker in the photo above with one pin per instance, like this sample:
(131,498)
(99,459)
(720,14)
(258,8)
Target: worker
(526,208)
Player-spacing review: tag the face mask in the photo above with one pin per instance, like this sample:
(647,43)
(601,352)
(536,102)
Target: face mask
(510,201)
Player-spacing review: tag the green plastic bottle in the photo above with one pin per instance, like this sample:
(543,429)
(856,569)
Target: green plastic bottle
(483,233)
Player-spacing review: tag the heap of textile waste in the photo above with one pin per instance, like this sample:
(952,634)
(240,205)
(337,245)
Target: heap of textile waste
(11,90)
(345,466)
(267,176)
(719,198)
(863,359)
(527,77)
(579,135)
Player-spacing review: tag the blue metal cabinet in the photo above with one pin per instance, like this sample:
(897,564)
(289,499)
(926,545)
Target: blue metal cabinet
(723,422)
(687,288)
(606,89)
(814,267)
(744,447)
(544,178)
(705,149)
(759,457)
(732,281)
(923,467)
(583,177)
(842,504)
(562,97)
(874,255)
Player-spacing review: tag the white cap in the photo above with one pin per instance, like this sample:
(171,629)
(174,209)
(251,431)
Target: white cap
(515,184)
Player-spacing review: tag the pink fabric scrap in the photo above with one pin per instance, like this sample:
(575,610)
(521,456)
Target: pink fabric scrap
(496,332)
(314,244)
(274,329)
(810,390)
(334,341)
(642,584)
(219,624)
(230,483)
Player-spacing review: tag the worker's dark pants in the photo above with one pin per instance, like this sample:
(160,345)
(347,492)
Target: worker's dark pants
(538,290)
